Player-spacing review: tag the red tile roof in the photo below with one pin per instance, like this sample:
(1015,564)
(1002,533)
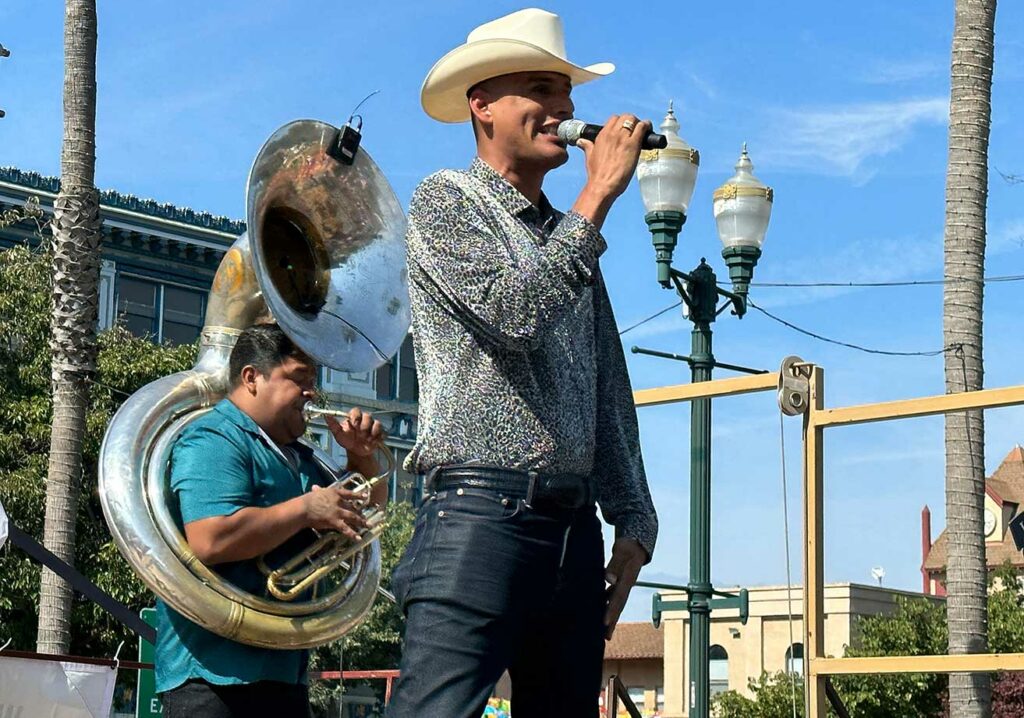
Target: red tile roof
(1008,479)
(635,640)
(1007,482)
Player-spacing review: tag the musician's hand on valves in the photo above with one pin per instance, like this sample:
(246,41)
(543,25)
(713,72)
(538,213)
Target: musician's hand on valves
(360,435)
(333,508)
(611,162)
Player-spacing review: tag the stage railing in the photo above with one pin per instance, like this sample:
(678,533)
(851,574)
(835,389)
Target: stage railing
(816,419)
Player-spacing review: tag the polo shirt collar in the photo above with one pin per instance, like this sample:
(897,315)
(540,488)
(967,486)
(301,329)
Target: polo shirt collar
(246,423)
(236,416)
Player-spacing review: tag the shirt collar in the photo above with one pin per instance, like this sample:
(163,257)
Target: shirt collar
(225,407)
(510,198)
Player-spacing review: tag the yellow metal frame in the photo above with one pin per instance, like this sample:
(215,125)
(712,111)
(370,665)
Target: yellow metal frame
(816,420)
(706,389)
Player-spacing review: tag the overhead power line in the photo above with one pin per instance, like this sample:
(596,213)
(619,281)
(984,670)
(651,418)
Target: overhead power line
(908,283)
(653,316)
(848,345)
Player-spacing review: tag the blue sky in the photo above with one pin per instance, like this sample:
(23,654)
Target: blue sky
(845,114)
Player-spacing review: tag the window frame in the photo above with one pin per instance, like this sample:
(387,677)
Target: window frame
(159,301)
(403,359)
(718,685)
(792,662)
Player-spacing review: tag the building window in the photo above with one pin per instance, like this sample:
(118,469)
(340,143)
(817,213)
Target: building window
(136,306)
(659,694)
(182,315)
(795,659)
(396,379)
(637,696)
(408,389)
(386,380)
(108,276)
(718,669)
(345,382)
(163,312)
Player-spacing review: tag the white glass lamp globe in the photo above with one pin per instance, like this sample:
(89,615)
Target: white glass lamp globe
(667,176)
(742,207)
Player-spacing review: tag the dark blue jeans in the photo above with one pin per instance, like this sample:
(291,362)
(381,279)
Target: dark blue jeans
(199,699)
(489,584)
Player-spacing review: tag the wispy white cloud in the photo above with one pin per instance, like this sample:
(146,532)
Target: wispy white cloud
(839,140)
(704,85)
(877,259)
(890,72)
(1005,237)
(887,458)
(870,259)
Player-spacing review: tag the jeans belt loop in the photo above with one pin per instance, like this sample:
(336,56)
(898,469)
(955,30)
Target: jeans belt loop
(431,477)
(531,488)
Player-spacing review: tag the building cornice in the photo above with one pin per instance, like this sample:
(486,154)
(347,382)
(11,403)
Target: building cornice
(128,202)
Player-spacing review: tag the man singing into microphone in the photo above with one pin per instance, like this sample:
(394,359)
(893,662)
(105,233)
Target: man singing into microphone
(526,412)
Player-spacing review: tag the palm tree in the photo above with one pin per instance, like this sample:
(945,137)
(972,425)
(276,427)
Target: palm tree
(964,248)
(76,235)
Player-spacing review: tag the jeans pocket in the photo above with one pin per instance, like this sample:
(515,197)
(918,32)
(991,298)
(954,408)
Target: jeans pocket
(477,504)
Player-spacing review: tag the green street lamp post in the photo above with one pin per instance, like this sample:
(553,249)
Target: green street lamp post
(742,208)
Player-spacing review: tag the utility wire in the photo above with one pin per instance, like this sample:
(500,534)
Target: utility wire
(796,285)
(653,316)
(108,387)
(789,569)
(848,345)
(908,283)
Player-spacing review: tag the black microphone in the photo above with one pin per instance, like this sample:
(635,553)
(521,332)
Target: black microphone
(571,131)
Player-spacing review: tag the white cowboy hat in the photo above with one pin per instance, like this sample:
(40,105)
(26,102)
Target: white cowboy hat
(526,41)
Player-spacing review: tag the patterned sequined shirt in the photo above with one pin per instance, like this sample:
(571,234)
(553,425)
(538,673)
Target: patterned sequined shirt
(519,359)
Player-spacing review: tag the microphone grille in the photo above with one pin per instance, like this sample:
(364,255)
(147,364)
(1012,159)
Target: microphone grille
(569,131)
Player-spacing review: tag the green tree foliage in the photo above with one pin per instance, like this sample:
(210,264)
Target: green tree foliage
(125,363)
(376,643)
(1005,612)
(773,698)
(917,627)
(1006,635)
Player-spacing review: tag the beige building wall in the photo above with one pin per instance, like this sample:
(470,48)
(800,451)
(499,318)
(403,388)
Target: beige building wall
(761,644)
(636,673)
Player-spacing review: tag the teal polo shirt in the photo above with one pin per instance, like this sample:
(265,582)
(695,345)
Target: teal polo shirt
(220,464)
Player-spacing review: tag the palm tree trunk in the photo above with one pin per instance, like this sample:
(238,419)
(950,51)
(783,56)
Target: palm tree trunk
(76,234)
(964,247)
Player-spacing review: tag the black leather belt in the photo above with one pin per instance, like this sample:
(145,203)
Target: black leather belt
(560,491)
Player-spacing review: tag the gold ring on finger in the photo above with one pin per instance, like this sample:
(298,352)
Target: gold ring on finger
(628,125)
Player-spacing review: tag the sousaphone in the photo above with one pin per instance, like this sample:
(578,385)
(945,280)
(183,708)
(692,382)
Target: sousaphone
(324,255)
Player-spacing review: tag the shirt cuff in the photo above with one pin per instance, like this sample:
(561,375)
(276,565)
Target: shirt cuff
(642,528)
(583,235)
